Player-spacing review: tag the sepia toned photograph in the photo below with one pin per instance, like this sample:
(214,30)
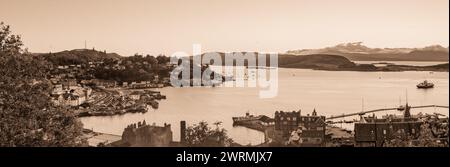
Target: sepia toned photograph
(224,73)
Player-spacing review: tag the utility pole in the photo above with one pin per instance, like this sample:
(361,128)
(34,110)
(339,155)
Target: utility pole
(85,44)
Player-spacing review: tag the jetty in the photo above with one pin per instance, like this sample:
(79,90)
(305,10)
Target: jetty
(383,109)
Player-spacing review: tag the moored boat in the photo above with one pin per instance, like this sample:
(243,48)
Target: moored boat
(251,119)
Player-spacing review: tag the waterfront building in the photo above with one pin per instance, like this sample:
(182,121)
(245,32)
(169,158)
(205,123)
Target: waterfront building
(73,97)
(286,122)
(313,129)
(135,95)
(104,83)
(143,85)
(306,130)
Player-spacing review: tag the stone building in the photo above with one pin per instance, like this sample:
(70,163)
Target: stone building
(306,130)
(312,128)
(286,122)
(143,135)
(373,131)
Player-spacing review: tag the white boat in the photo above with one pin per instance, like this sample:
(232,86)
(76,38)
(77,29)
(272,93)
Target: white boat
(425,85)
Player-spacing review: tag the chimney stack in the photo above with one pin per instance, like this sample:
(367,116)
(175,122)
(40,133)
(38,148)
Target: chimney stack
(183,132)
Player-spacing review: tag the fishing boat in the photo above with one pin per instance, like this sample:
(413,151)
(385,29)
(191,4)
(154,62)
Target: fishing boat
(425,85)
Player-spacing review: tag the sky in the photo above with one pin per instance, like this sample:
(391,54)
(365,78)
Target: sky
(168,26)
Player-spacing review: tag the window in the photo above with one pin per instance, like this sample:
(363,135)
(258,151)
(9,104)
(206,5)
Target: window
(413,131)
(294,119)
(384,131)
(319,128)
(288,118)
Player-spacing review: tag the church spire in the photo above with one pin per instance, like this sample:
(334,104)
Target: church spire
(314,113)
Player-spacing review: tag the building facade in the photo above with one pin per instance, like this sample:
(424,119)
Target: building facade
(143,135)
(306,130)
(374,132)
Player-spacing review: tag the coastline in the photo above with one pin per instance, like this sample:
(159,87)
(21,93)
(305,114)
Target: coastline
(389,68)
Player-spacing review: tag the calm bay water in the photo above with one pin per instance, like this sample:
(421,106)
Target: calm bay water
(329,92)
(410,63)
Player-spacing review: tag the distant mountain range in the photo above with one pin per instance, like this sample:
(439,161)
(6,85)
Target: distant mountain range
(358,52)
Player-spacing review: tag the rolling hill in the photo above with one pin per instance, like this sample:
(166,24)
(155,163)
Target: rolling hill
(78,56)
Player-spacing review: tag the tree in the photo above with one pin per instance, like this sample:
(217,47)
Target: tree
(203,136)
(27,115)
(9,43)
(162,59)
(433,133)
(151,60)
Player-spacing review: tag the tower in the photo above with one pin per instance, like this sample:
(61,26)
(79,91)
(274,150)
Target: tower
(407,114)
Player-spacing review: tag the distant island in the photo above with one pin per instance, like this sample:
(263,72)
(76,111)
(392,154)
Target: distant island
(338,63)
(358,52)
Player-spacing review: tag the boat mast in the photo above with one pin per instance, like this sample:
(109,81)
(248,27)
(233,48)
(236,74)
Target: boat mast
(406,96)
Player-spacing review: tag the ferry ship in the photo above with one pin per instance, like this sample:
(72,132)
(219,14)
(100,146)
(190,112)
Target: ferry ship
(251,119)
(425,85)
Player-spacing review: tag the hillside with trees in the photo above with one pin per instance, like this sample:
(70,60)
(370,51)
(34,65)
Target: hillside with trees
(27,116)
(134,68)
(78,56)
(110,66)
